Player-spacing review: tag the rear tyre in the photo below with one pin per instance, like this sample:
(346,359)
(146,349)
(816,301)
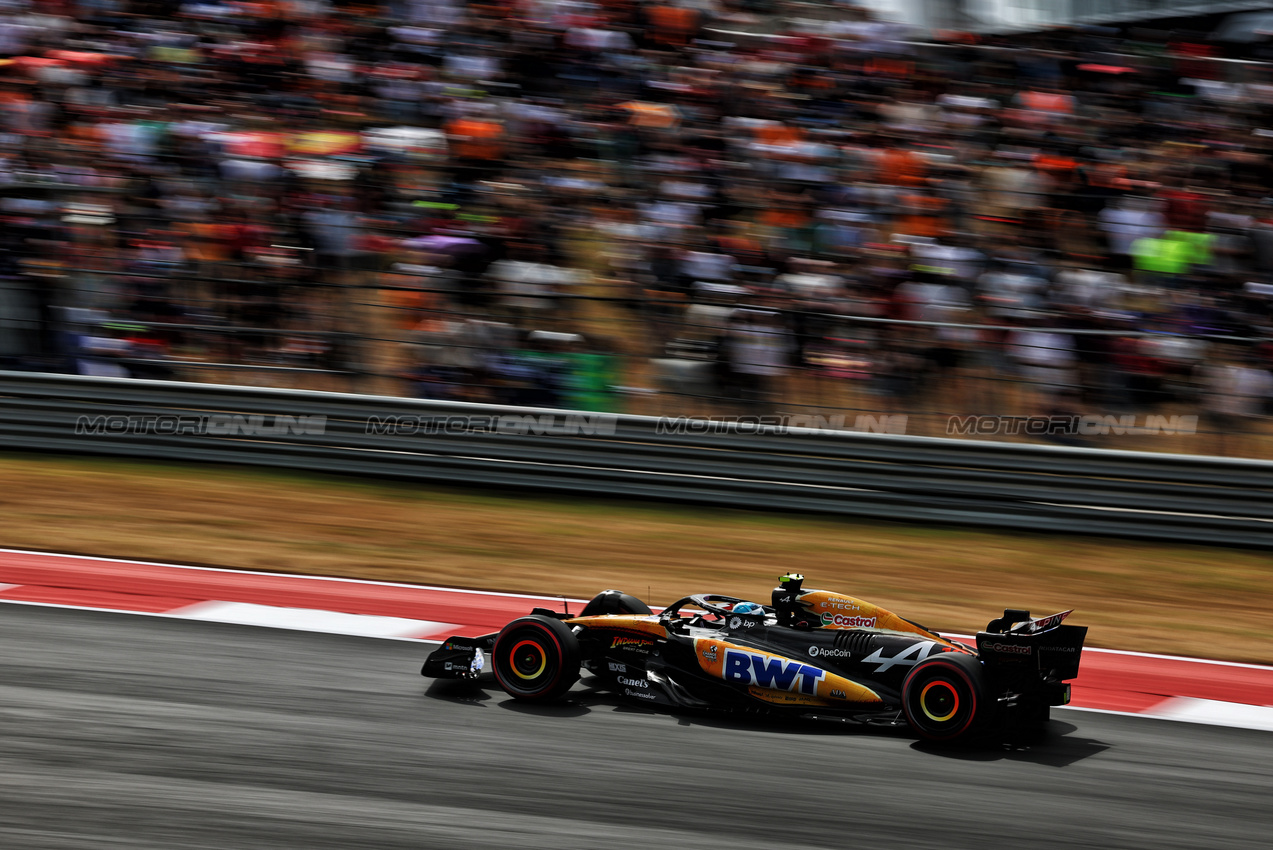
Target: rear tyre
(945,697)
(536,658)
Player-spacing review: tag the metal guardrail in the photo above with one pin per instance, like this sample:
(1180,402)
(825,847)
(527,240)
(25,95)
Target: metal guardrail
(1176,498)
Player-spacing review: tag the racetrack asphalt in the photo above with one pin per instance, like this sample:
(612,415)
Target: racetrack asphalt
(134,732)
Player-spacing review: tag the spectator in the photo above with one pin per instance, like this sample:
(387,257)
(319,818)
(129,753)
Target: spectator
(294,183)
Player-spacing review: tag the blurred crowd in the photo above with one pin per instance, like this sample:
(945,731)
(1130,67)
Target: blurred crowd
(753,205)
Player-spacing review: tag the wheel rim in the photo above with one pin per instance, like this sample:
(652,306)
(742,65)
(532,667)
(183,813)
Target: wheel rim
(529,660)
(939,700)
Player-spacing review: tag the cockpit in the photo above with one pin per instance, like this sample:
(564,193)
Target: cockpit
(715,612)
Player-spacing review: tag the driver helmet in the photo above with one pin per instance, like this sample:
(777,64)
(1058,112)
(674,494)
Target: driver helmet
(749,609)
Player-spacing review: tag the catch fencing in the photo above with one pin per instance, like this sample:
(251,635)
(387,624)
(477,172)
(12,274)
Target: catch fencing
(1173,498)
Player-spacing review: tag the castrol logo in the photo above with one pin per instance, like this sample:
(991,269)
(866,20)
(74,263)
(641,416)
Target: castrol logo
(847,622)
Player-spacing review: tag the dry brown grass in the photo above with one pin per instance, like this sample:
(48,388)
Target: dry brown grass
(1176,599)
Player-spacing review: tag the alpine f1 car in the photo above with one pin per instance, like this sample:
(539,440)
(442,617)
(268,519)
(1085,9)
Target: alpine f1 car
(809,653)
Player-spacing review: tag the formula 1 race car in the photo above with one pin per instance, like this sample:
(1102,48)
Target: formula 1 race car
(809,653)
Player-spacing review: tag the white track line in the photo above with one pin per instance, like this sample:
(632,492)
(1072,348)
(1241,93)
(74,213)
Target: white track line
(1215,713)
(1206,711)
(169,615)
(311,620)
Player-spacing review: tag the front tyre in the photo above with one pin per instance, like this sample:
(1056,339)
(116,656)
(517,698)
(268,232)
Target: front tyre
(944,697)
(536,658)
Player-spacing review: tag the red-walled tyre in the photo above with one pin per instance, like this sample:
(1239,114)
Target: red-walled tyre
(536,658)
(945,697)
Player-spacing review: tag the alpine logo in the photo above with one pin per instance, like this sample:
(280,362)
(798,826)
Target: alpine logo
(1044,623)
(848,622)
(827,652)
(769,672)
(908,657)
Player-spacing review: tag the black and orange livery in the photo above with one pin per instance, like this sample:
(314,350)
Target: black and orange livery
(809,652)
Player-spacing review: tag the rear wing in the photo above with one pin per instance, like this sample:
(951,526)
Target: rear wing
(1015,641)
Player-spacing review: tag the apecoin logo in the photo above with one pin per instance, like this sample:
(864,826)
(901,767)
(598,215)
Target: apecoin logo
(815,651)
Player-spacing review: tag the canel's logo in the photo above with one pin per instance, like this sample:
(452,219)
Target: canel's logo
(767,672)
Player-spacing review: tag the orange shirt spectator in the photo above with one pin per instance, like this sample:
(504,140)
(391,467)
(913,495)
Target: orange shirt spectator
(207,242)
(901,167)
(415,310)
(777,133)
(476,138)
(1057,103)
(672,25)
(923,216)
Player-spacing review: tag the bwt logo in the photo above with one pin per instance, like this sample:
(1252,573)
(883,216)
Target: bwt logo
(209,425)
(767,672)
(551,424)
(1087,425)
(780,424)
